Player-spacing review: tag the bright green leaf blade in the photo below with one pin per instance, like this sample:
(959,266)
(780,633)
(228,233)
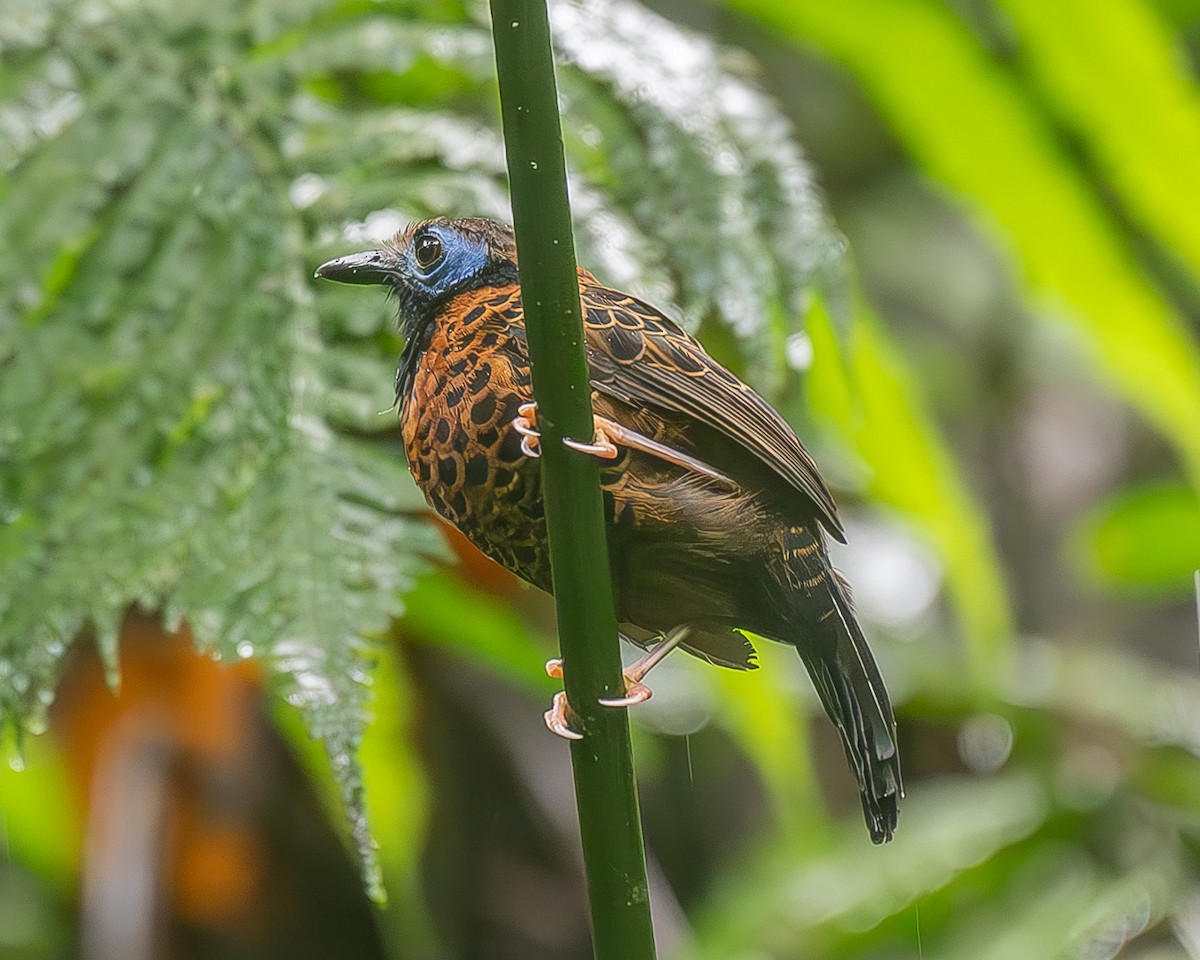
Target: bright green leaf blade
(398,796)
(1145,540)
(969,126)
(1118,78)
(878,408)
(39,825)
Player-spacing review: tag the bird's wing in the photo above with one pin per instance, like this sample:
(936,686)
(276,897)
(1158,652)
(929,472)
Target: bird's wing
(641,358)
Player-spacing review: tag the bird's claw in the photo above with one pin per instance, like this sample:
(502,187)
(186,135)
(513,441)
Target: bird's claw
(558,716)
(635,693)
(523,423)
(600,446)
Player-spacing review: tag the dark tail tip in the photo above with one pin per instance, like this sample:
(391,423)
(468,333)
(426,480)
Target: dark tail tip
(846,677)
(864,720)
(881,794)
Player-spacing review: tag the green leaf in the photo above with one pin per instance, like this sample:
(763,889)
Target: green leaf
(970,126)
(1067,909)
(708,168)
(445,611)
(1122,85)
(767,717)
(878,409)
(1144,540)
(786,896)
(38,825)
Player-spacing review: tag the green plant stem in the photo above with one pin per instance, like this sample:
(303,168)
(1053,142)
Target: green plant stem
(605,790)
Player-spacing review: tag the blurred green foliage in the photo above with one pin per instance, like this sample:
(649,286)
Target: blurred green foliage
(1141,540)
(970,124)
(878,408)
(1005,390)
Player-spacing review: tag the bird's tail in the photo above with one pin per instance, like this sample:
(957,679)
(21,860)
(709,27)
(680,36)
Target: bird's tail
(833,648)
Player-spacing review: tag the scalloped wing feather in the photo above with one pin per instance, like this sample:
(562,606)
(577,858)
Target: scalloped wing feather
(640,357)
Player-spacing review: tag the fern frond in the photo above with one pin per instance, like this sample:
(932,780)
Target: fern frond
(183,429)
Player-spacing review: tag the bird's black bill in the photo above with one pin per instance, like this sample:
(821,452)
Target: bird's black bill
(373,266)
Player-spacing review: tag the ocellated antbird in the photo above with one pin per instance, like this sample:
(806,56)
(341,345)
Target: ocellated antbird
(717,515)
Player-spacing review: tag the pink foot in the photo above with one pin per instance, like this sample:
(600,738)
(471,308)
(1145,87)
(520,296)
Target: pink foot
(557,718)
(635,692)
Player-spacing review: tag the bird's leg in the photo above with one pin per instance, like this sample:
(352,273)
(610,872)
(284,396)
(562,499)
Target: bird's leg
(635,690)
(609,433)
(601,446)
(558,716)
(604,443)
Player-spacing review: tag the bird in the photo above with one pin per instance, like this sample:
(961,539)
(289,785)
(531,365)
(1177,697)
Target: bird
(717,517)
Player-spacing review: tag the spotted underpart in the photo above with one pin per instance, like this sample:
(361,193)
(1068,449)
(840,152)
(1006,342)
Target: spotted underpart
(457,425)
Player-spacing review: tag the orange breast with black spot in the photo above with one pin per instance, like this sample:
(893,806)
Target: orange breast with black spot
(457,425)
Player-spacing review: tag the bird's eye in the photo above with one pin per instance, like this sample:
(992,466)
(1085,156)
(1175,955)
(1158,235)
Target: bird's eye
(427,251)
